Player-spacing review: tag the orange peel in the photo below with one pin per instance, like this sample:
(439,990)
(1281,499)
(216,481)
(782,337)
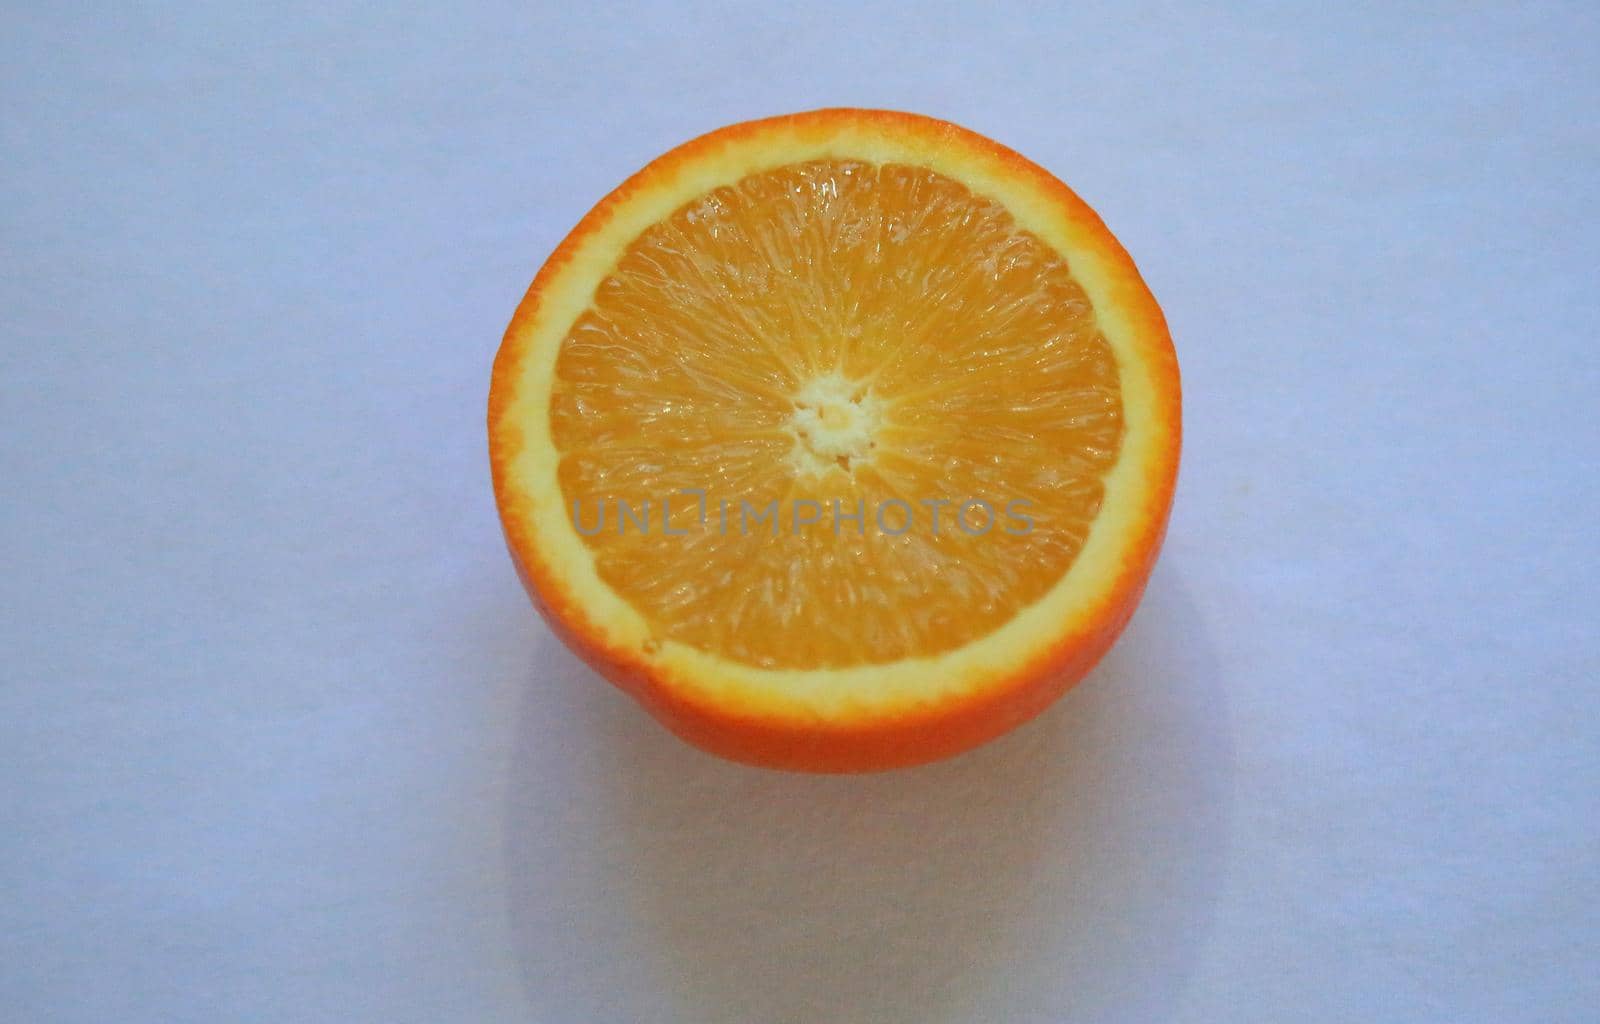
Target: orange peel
(842,301)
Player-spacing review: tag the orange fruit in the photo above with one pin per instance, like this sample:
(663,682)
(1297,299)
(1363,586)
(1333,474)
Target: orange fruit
(842,441)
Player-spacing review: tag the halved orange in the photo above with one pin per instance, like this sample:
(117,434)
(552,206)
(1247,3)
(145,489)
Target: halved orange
(841,440)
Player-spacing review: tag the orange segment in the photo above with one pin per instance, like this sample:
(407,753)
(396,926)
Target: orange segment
(842,440)
(837,332)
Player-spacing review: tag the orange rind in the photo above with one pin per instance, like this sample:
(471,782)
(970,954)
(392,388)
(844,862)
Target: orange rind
(818,314)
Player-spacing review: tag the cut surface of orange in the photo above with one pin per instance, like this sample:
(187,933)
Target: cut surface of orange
(842,440)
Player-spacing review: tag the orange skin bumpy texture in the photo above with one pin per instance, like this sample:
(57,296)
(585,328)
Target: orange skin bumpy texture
(914,731)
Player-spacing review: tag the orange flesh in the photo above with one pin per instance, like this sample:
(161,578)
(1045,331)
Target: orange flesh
(835,331)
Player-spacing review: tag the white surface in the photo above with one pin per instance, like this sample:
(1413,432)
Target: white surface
(281,739)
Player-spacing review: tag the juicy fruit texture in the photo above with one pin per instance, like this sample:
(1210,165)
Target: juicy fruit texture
(854,335)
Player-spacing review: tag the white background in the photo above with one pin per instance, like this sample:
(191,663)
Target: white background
(281,739)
